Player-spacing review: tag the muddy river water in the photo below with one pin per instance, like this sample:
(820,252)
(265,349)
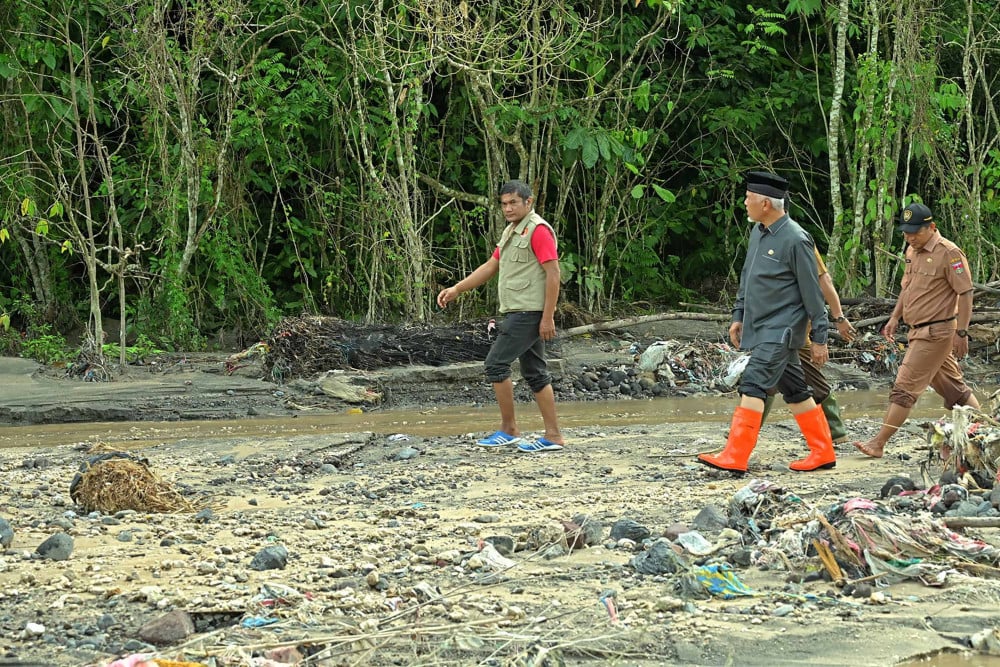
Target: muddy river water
(437,421)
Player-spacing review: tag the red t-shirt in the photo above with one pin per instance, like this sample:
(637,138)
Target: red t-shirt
(543,244)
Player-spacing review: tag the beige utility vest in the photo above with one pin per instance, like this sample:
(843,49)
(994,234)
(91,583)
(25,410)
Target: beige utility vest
(522,278)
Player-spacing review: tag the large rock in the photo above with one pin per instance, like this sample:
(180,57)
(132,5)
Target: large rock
(629,529)
(6,533)
(274,557)
(167,629)
(56,547)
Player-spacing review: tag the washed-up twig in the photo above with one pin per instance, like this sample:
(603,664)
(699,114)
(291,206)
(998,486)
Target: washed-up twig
(828,560)
(839,541)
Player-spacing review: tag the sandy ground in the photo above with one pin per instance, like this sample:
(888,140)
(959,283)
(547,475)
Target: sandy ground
(385,535)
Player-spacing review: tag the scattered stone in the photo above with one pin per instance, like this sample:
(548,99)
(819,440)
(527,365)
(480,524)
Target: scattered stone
(168,629)
(783,610)
(274,557)
(504,544)
(406,453)
(56,547)
(674,530)
(897,485)
(630,530)
(204,516)
(593,530)
(545,535)
(575,539)
(710,518)
(6,533)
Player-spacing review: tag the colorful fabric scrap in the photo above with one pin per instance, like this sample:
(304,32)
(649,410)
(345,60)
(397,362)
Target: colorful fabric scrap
(721,581)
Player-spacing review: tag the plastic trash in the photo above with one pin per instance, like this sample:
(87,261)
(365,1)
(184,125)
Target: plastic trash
(721,581)
(695,543)
(735,370)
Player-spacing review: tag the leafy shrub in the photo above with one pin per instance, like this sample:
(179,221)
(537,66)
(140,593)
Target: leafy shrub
(45,346)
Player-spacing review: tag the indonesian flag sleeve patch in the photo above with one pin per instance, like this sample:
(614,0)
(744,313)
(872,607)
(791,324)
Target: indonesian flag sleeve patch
(956,265)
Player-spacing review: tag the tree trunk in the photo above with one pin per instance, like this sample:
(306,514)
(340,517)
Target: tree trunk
(833,138)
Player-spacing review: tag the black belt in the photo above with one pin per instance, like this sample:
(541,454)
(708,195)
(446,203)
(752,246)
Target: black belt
(927,324)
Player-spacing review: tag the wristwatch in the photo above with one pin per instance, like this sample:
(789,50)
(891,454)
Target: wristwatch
(962,333)
(840,319)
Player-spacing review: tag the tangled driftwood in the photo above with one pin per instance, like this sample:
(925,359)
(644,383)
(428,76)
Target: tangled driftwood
(305,346)
(117,481)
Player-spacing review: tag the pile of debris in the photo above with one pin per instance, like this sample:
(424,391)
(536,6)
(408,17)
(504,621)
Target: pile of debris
(308,346)
(909,532)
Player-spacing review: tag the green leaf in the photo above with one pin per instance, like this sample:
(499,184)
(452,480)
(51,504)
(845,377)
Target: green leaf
(56,210)
(28,207)
(638,191)
(641,97)
(591,153)
(604,144)
(67,246)
(576,137)
(664,194)
(42,228)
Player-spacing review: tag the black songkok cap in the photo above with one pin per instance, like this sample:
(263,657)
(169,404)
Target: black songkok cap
(769,185)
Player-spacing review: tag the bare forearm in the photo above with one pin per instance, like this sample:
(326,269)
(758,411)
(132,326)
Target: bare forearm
(478,277)
(552,283)
(830,295)
(964,310)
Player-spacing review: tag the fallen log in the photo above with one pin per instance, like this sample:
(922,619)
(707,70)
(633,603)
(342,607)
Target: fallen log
(643,319)
(977,318)
(972,521)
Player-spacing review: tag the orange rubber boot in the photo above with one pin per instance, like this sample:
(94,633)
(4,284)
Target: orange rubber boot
(742,439)
(817,432)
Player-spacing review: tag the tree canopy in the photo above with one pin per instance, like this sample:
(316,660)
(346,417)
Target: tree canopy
(187,167)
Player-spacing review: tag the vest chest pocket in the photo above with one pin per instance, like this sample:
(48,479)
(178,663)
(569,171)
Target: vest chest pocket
(520,249)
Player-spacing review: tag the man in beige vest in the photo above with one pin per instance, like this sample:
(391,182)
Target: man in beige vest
(527,262)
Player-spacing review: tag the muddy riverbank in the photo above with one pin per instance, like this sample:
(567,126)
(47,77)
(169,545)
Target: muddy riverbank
(387,519)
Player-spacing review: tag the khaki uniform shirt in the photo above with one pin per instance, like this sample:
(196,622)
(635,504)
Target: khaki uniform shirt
(933,279)
(821,264)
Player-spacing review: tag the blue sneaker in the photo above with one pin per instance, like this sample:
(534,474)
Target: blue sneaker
(539,445)
(499,439)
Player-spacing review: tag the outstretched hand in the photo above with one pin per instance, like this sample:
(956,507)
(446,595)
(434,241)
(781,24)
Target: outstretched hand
(446,296)
(846,330)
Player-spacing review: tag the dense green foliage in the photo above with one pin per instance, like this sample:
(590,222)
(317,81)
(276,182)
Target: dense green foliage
(191,167)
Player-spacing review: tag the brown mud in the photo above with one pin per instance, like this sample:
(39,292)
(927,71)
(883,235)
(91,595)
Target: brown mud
(383,514)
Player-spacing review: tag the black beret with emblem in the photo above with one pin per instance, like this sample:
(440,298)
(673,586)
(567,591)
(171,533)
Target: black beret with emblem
(914,217)
(769,185)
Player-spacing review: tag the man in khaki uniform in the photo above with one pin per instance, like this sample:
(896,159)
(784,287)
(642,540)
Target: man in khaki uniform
(936,302)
